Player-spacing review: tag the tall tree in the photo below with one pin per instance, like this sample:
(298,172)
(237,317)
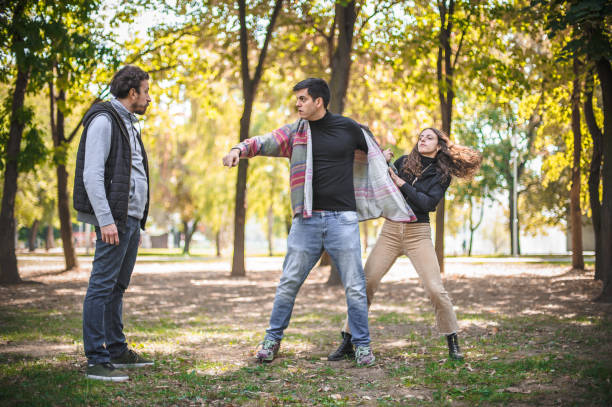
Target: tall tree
(23,34)
(74,56)
(604,70)
(575,212)
(594,168)
(249,91)
(446,63)
(590,22)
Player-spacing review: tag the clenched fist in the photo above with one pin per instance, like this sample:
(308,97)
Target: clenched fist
(232,158)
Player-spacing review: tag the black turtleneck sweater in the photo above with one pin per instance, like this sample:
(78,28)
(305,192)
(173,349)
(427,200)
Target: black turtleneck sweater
(422,193)
(334,141)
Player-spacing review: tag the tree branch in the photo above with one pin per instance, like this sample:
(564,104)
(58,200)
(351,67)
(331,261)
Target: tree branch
(52,109)
(461,40)
(262,56)
(134,58)
(244,48)
(374,13)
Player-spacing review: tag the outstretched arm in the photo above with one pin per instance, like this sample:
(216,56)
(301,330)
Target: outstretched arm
(231,159)
(274,144)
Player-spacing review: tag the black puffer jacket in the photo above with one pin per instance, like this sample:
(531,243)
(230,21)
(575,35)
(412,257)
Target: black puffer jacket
(117,169)
(422,193)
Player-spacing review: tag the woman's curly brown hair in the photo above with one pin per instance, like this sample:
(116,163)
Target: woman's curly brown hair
(452,160)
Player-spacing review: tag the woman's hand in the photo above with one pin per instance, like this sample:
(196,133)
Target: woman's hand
(396,179)
(388,154)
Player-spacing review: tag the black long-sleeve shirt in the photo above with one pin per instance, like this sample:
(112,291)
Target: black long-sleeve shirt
(334,141)
(422,193)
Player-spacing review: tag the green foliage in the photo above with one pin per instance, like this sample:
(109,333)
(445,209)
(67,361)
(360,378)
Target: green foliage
(590,20)
(33,151)
(503,68)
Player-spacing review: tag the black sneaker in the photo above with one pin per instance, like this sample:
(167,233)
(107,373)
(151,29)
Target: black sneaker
(129,358)
(106,372)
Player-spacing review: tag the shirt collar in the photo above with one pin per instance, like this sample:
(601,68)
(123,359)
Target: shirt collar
(122,110)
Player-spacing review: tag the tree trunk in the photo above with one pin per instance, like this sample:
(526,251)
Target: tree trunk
(511,208)
(346,16)
(249,88)
(50,240)
(188,234)
(340,65)
(218,242)
(605,78)
(63,203)
(518,232)
(9,273)
(444,74)
(238,269)
(469,253)
(474,225)
(63,207)
(594,170)
(575,212)
(32,236)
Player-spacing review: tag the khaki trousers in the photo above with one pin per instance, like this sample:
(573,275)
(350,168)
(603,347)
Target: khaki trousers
(414,241)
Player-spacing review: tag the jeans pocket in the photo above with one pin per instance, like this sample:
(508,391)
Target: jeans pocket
(347,218)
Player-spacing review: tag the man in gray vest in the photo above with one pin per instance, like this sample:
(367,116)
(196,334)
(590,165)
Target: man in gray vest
(111,191)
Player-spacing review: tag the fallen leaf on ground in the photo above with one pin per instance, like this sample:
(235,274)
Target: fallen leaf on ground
(517,390)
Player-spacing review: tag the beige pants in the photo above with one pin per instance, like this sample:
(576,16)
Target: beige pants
(413,240)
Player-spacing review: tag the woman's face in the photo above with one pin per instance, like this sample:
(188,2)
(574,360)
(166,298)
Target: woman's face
(428,143)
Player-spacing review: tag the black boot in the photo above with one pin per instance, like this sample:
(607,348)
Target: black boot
(453,347)
(345,350)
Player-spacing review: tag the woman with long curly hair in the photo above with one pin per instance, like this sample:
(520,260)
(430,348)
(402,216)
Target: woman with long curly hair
(423,177)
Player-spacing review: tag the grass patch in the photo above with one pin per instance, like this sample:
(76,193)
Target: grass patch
(203,358)
(19,325)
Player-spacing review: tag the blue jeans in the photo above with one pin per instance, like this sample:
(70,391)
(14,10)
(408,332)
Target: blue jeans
(103,305)
(338,234)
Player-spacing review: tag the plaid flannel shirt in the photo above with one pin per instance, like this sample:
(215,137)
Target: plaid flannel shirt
(376,194)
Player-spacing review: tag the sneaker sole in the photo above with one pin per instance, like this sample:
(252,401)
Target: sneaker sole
(128,365)
(264,360)
(108,379)
(366,364)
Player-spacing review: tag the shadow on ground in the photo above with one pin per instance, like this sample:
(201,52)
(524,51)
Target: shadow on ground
(531,336)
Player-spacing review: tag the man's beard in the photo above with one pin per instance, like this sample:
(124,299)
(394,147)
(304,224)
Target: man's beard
(139,109)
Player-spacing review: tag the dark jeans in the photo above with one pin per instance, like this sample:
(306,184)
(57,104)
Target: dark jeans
(103,305)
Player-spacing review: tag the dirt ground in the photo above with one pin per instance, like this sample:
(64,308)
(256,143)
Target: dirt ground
(177,288)
(182,291)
